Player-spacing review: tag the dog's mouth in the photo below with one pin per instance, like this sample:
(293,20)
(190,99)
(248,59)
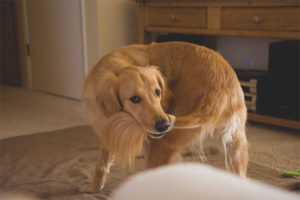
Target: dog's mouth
(156,135)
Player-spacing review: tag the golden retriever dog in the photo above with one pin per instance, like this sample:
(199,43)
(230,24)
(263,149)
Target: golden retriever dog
(163,97)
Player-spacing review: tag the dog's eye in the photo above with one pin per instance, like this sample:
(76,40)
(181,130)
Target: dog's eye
(135,99)
(157,92)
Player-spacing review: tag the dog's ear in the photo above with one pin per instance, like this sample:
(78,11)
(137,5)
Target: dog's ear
(159,76)
(101,94)
(167,97)
(107,97)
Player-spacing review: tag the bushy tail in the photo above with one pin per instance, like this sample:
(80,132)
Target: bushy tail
(124,137)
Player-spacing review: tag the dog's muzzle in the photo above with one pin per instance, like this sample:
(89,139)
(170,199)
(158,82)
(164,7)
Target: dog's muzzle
(161,127)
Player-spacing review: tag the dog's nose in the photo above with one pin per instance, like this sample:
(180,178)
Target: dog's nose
(162,125)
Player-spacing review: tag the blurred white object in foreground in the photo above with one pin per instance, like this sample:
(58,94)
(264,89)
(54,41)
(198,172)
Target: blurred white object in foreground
(195,181)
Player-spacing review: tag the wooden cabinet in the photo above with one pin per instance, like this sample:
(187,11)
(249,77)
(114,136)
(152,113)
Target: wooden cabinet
(252,18)
(260,18)
(257,18)
(176,17)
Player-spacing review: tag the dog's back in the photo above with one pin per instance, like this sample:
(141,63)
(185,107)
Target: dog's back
(208,95)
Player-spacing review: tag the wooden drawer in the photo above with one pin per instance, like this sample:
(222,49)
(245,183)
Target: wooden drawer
(261,18)
(184,17)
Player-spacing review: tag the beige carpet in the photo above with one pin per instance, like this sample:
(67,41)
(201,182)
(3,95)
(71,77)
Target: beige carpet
(24,111)
(53,165)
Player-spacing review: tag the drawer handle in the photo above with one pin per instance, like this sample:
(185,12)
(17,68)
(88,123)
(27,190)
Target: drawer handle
(257,19)
(173,18)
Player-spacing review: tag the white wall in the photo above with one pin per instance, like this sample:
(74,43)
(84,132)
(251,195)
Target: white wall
(90,33)
(116,24)
(245,52)
(109,24)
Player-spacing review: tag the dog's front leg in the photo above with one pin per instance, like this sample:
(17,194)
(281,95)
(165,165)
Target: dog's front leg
(102,168)
(159,152)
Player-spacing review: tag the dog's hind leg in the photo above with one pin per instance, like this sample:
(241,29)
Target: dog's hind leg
(102,168)
(236,151)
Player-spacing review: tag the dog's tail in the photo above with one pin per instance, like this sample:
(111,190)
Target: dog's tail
(124,137)
(205,129)
(187,122)
(203,119)
(198,118)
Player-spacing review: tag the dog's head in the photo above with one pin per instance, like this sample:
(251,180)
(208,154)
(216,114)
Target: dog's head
(140,92)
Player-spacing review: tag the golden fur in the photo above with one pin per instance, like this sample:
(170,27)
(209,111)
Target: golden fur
(195,84)
(124,137)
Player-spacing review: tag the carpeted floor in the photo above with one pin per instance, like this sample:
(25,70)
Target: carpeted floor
(53,165)
(24,111)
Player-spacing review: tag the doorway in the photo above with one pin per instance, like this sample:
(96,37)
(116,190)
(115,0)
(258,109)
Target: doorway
(53,45)
(9,61)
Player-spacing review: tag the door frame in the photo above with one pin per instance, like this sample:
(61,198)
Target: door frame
(88,32)
(23,41)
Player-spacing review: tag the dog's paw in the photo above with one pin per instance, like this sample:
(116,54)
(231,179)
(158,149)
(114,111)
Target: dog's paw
(90,188)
